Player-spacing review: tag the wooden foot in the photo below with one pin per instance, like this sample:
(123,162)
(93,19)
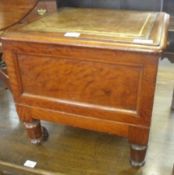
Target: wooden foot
(36,133)
(138,153)
(138,139)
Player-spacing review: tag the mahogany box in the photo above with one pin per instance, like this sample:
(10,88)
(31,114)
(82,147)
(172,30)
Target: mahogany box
(89,68)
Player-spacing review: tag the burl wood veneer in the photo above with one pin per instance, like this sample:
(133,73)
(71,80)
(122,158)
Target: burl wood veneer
(103,80)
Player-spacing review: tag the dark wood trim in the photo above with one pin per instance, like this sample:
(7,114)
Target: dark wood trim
(172,106)
(169,56)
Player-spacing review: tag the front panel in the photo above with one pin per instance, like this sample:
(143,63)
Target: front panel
(110,85)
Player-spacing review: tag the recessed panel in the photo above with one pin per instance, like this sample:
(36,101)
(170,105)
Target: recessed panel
(87,82)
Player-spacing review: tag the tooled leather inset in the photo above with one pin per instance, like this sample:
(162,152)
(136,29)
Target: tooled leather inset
(118,25)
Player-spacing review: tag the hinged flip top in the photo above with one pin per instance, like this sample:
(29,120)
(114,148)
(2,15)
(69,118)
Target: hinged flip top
(119,29)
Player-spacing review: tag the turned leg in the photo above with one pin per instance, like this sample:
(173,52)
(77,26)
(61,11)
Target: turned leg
(137,154)
(36,133)
(138,138)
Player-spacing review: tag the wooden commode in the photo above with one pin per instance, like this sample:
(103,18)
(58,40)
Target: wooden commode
(90,68)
